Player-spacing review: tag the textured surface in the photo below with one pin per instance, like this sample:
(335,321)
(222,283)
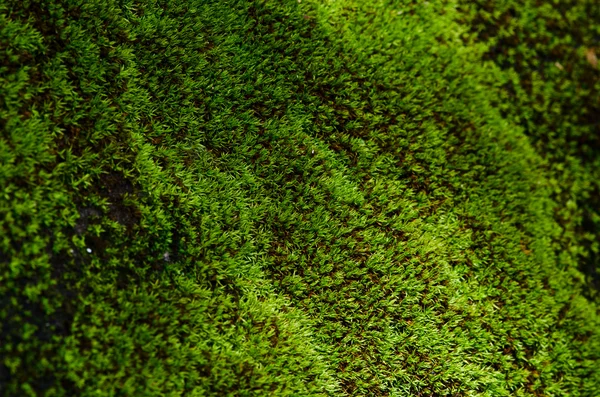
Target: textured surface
(248,198)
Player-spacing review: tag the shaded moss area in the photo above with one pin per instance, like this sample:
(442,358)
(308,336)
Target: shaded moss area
(549,51)
(252,198)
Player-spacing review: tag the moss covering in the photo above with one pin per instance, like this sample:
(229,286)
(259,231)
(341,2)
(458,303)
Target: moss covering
(299,198)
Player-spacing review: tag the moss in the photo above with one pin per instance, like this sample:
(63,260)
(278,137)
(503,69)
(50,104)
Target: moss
(297,198)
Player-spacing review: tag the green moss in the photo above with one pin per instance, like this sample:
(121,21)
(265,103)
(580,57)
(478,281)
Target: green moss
(293,198)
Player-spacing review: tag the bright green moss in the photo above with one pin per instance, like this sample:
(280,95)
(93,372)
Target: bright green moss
(253,198)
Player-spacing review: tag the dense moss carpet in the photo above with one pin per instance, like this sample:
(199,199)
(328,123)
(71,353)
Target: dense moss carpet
(299,198)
